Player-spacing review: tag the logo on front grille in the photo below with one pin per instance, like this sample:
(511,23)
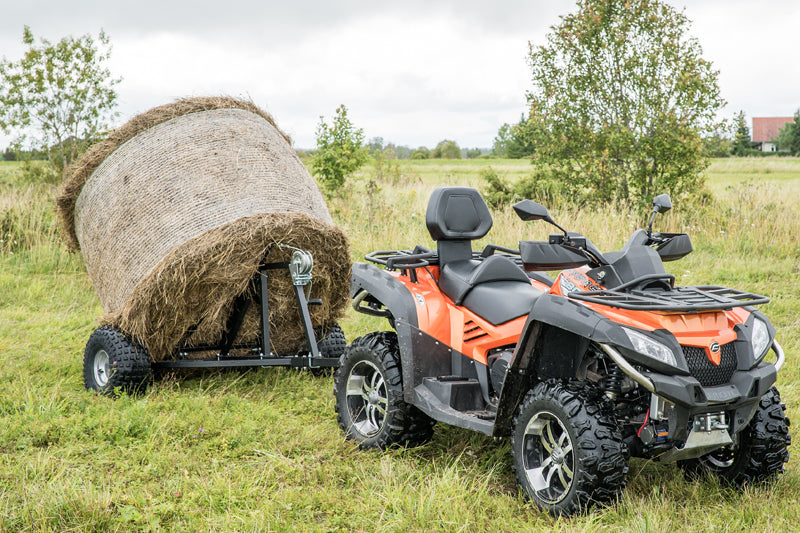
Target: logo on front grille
(714,347)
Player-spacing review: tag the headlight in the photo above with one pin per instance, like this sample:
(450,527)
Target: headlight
(760,338)
(651,348)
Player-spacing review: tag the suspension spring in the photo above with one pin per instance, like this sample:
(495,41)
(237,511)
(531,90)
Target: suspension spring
(614,378)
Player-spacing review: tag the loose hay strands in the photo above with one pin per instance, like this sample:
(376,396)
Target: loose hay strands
(178,180)
(175,211)
(195,286)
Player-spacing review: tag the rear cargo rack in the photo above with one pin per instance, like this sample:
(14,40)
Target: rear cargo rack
(421,257)
(403,259)
(680,299)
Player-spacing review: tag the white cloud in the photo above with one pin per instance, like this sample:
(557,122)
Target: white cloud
(752,48)
(413,73)
(405,80)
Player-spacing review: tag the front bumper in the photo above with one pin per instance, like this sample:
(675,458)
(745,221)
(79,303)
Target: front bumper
(739,397)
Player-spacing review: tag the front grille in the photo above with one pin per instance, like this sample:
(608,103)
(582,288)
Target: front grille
(706,372)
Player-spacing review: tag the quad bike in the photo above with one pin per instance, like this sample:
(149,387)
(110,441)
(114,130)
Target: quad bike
(114,361)
(609,360)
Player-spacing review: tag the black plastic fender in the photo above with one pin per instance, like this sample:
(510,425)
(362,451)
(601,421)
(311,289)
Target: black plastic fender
(395,297)
(552,342)
(552,345)
(386,289)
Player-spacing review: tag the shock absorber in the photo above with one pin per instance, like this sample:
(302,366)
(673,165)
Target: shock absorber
(613,386)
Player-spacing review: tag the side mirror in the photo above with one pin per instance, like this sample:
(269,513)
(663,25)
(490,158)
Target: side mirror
(530,210)
(661,203)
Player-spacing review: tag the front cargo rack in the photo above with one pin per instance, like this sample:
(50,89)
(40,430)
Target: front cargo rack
(676,300)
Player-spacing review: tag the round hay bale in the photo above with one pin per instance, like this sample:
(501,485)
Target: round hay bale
(175,211)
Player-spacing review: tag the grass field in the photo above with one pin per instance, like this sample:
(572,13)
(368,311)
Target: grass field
(261,450)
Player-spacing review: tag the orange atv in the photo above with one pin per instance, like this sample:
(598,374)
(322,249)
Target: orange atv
(609,360)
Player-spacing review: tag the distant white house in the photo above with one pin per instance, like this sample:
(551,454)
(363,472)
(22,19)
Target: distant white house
(765,132)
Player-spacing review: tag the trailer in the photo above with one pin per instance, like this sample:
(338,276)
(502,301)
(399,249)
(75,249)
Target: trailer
(114,361)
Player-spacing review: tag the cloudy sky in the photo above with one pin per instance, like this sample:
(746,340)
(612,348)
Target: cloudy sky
(413,72)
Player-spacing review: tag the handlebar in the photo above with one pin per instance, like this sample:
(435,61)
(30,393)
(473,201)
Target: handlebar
(490,249)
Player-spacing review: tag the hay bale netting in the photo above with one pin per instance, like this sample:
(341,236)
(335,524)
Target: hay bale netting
(175,211)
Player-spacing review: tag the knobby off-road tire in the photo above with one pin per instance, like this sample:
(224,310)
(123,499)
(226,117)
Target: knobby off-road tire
(761,452)
(113,361)
(568,451)
(368,386)
(331,342)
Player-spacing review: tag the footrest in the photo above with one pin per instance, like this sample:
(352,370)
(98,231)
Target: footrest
(459,393)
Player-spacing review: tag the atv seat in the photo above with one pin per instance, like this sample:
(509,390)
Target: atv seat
(494,288)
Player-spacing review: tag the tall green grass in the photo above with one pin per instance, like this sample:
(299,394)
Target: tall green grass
(261,451)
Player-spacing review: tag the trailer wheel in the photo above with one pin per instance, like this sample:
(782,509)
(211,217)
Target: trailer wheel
(331,341)
(113,361)
(568,452)
(761,451)
(368,387)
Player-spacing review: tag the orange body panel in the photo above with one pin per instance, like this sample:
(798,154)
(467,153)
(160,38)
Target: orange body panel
(457,326)
(474,337)
(469,334)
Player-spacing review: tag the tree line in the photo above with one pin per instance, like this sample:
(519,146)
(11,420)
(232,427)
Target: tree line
(622,106)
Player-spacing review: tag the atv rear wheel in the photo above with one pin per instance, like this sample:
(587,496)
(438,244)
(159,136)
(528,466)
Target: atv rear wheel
(761,450)
(368,386)
(112,360)
(568,452)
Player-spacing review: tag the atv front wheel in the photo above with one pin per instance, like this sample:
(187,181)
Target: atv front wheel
(568,453)
(368,386)
(112,361)
(761,450)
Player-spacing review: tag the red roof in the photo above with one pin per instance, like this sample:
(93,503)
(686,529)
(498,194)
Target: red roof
(765,129)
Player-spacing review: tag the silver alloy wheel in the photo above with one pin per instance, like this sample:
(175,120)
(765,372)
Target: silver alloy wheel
(548,457)
(102,368)
(367,398)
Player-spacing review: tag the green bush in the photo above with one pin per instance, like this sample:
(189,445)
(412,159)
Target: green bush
(620,100)
(33,172)
(421,153)
(339,151)
(446,150)
(541,186)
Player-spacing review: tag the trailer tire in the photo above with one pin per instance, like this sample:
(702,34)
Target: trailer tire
(368,387)
(761,453)
(113,362)
(567,449)
(331,341)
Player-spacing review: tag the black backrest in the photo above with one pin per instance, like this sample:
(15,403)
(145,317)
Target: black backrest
(456,216)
